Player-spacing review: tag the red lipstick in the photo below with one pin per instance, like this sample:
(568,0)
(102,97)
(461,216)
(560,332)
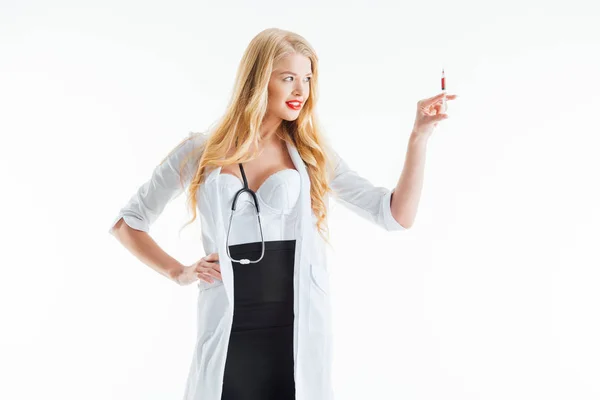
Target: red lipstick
(294,104)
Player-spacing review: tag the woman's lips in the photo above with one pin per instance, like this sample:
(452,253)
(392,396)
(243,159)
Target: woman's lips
(294,105)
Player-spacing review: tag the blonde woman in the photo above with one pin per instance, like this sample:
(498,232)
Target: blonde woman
(260,180)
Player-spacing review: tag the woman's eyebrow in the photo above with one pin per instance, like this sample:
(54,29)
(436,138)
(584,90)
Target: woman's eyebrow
(291,73)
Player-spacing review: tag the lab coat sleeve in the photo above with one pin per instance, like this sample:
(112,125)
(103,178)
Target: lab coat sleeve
(361,196)
(165,183)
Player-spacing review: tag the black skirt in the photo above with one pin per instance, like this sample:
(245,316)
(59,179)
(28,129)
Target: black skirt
(260,360)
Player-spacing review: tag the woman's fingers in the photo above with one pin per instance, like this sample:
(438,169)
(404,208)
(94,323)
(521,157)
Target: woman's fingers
(431,100)
(208,266)
(434,107)
(437,98)
(205,278)
(211,257)
(209,271)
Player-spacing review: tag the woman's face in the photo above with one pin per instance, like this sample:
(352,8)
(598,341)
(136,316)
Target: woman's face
(289,87)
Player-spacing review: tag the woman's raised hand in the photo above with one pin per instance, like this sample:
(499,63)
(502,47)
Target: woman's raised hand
(429,113)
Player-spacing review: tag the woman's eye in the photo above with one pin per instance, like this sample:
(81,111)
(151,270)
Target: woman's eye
(308,78)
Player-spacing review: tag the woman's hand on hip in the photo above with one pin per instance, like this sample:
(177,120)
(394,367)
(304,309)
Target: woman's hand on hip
(206,269)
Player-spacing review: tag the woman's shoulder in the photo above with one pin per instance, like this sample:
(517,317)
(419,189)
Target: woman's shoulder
(186,153)
(196,140)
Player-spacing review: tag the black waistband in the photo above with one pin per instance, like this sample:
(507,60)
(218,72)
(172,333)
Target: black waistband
(257,246)
(264,291)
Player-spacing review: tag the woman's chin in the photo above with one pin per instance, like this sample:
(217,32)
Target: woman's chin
(291,116)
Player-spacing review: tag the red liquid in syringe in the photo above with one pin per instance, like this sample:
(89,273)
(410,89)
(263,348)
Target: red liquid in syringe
(443,90)
(443,80)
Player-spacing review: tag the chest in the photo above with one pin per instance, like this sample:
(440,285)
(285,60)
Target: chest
(257,171)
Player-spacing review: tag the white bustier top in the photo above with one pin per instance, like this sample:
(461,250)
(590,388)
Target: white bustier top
(277,200)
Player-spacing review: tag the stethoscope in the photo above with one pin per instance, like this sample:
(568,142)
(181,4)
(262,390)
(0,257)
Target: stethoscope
(242,190)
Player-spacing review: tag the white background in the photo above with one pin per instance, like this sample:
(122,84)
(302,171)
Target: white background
(493,294)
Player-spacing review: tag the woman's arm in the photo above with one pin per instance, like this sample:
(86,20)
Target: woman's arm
(361,196)
(132,224)
(393,210)
(407,193)
(142,246)
(430,112)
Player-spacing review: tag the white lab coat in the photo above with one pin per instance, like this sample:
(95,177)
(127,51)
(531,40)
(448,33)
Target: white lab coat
(312,307)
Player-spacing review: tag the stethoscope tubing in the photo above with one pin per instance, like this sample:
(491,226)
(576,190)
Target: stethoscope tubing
(233,205)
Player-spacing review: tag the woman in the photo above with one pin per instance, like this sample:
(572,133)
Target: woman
(260,181)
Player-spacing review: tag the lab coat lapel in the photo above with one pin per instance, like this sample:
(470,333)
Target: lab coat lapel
(224,261)
(304,239)
(305,209)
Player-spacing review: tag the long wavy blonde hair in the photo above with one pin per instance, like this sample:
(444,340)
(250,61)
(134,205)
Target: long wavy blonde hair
(246,110)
